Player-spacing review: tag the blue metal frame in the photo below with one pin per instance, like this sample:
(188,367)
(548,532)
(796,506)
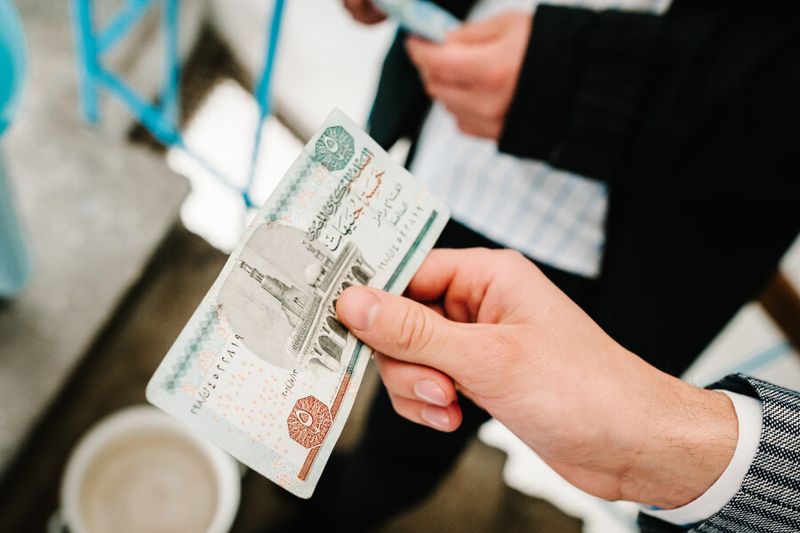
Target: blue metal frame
(262,93)
(162,120)
(121,24)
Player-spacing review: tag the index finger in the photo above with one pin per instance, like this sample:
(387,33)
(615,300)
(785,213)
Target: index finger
(458,277)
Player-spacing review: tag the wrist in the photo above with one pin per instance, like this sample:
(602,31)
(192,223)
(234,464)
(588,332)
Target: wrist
(689,440)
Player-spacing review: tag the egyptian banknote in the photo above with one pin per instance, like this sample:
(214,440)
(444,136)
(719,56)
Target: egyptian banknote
(421,17)
(263,368)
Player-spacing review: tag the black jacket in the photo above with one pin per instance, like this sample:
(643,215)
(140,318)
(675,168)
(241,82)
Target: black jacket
(691,118)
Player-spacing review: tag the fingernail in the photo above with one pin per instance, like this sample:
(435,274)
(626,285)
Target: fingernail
(359,307)
(430,391)
(436,416)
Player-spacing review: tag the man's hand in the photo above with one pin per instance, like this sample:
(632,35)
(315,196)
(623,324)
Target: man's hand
(364,11)
(492,326)
(474,72)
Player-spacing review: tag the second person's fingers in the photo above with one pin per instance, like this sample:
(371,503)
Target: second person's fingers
(446,63)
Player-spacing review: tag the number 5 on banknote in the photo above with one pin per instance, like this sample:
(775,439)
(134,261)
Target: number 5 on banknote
(263,368)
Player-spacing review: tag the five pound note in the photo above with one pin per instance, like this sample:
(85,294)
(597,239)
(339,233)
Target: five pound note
(264,369)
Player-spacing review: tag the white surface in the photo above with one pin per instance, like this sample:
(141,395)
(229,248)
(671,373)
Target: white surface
(95,210)
(750,333)
(325,59)
(223,131)
(527,473)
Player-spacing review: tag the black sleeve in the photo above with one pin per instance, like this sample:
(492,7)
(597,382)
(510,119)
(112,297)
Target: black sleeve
(591,80)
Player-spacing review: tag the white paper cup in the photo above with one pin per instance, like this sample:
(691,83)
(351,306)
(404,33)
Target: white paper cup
(140,471)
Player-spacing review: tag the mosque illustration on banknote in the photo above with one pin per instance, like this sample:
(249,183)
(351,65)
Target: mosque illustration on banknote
(282,286)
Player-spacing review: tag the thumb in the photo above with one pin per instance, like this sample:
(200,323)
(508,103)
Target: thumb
(404,329)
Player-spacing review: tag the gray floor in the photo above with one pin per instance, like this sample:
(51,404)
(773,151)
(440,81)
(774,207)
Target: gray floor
(94,208)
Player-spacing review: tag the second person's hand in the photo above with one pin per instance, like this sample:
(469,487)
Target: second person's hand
(474,72)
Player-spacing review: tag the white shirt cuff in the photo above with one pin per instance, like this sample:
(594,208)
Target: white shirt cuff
(749,412)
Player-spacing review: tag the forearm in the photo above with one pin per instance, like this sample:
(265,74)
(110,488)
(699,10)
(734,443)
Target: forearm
(635,433)
(610,423)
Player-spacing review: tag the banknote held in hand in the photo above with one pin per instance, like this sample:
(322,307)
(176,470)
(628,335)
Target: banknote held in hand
(264,369)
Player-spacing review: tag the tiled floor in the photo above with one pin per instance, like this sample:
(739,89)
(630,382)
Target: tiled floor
(94,208)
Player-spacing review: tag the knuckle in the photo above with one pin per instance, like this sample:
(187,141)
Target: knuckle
(395,401)
(411,416)
(390,374)
(513,257)
(497,76)
(486,256)
(382,363)
(415,330)
(422,57)
(468,128)
(492,111)
(402,408)
(433,60)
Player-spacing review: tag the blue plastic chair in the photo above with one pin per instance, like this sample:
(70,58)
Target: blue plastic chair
(14,257)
